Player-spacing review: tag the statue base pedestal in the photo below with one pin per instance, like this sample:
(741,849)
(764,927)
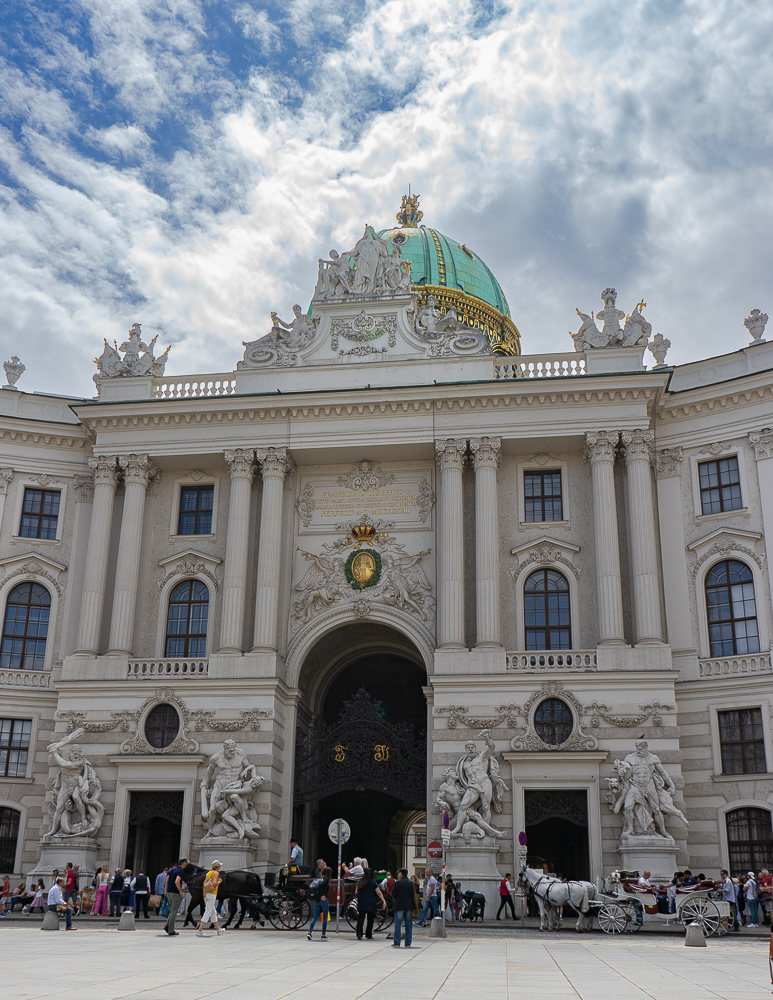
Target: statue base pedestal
(475,866)
(233,853)
(55,852)
(658,854)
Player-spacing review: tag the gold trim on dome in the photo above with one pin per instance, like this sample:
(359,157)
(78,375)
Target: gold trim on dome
(502,333)
(441,261)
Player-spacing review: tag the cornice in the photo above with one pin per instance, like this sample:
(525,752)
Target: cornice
(36,435)
(389,400)
(715,398)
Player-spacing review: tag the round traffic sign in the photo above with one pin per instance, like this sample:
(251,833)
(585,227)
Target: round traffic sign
(522,839)
(435,849)
(334,828)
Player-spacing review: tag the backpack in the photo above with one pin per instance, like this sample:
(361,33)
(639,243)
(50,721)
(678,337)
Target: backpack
(315,888)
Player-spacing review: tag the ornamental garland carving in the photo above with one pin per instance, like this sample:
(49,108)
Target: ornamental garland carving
(362,329)
(190,567)
(250,719)
(716,448)
(365,476)
(761,441)
(723,547)
(597,712)
(457,715)
(200,718)
(182,743)
(425,500)
(306,505)
(33,568)
(530,740)
(120,721)
(6,475)
(44,480)
(668,462)
(543,554)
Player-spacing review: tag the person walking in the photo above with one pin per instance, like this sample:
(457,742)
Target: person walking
(115,893)
(506,897)
(319,891)
(174,894)
(416,897)
(403,902)
(127,897)
(766,895)
(368,896)
(57,902)
(160,886)
(70,883)
(450,895)
(751,888)
(209,889)
(101,880)
(140,886)
(729,896)
(430,896)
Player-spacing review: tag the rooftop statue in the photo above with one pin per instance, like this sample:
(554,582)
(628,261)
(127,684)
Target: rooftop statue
(635,332)
(755,323)
(133,364)
(281,344)
(77,811)
(14,369)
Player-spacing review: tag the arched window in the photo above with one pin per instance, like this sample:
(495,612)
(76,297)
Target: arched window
(546,610)
(553,722)
(731,609)
(9,834)
(749,840)
(25,627)
(186,623)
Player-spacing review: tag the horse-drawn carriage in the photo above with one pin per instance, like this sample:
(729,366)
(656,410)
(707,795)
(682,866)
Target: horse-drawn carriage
(623,905)
(290,906)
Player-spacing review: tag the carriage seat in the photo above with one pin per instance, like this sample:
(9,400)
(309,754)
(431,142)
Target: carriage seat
(633,886)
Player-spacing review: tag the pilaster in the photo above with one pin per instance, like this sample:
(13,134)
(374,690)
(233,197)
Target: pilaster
(486,458)
(105,471)
(274,466)
(241,466)
(450,456)
(648,628)
(600,453)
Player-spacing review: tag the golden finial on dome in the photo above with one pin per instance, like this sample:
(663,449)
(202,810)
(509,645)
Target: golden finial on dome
(409,214)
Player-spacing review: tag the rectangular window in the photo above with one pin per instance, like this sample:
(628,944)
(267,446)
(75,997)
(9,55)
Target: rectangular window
(742,742)
(720,485)
(196,504)
(14,747)
(542,495)
(420,849)
(40,513)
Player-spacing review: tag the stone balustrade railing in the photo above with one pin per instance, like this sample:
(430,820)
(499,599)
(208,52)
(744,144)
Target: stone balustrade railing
(723,666)
(25,678)
(167,668)
(194,386)
(541,366)
(565,659)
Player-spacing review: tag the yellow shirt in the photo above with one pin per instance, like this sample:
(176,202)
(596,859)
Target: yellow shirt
(212,876)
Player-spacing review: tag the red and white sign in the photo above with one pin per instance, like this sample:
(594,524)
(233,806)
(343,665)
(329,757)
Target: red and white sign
(435,849)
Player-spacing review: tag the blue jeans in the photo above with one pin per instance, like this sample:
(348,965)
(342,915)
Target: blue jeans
(67,914)
(430,904)
(400,916)
(321,906)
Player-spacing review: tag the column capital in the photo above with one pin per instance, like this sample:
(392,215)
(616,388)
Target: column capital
(241,463)
(637,445)
(450,454)
(275,463)
(762,442)
(668,462)
(600,446)
(137,469)
(486,452)
(6,475)
(105,470)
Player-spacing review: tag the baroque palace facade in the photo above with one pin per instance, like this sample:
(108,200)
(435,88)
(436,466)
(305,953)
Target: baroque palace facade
(385,536)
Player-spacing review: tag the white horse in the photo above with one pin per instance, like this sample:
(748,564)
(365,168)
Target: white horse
(552,893)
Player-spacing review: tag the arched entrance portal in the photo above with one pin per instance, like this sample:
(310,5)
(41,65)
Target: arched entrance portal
(361,746)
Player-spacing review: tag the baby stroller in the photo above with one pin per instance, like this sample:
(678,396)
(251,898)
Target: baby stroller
(473,905)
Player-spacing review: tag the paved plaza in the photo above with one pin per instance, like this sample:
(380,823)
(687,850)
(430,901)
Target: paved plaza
(272,965)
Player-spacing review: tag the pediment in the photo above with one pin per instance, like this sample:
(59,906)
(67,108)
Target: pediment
(725,542)
(546,551)
(729,534)
(10,562)
(191,554)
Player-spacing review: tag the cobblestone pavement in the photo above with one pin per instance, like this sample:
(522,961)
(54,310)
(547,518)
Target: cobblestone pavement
(271,965)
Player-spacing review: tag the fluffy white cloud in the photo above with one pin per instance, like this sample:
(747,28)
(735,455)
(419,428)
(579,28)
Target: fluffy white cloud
(186,171)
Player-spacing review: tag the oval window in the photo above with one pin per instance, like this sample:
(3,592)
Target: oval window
(553,722)
(162,726)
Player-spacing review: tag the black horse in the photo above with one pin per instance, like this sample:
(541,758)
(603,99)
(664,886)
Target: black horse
(239,888)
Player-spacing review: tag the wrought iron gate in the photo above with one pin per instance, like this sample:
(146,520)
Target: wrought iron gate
(361,751)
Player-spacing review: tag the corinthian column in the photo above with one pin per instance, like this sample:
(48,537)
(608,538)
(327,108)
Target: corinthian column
(648,628)
(97,552)
(600,452)
(274,465)
(138,471)
(486,458)
(450,588)
(241,465)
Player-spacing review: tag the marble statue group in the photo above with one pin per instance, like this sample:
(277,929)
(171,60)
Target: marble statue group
(643,791)
(227,792)
(77,811)
(472,790)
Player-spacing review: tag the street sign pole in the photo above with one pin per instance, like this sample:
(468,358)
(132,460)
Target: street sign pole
(338,888)
(445,839)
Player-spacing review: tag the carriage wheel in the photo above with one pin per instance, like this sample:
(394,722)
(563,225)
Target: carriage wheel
(612,918)
(701,911)
(634,920)
(288,913)
(382,922)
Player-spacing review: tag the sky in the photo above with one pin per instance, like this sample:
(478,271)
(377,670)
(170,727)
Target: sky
(184,163)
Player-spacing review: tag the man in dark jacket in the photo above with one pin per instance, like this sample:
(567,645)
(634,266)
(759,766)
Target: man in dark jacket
(402,904)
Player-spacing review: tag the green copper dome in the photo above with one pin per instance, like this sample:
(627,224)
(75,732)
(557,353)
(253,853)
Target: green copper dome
(454,275)
(438,260)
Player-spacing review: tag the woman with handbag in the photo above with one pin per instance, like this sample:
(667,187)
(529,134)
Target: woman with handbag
(100,884)
(209,889)
(368,897)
